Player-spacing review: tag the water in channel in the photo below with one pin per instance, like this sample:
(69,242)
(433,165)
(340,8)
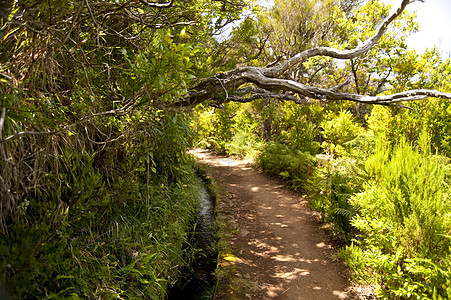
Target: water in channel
(198,280)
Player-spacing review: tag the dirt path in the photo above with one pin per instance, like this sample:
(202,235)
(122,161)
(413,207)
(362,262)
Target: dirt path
(278,249)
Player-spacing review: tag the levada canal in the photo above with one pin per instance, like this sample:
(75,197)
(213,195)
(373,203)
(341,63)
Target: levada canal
(198,280)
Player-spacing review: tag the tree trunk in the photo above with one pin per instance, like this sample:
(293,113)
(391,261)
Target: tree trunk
(267,129)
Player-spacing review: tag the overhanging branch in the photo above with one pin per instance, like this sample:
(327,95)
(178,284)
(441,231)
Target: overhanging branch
(267,79)
(156,4)
(250,94)
(336,53)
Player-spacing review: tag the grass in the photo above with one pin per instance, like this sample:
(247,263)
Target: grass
(124,251)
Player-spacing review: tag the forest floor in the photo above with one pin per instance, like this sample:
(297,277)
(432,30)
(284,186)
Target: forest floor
(273,246)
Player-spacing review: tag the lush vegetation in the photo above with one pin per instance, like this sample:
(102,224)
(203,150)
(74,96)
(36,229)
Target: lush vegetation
(98,194)
(380,176)
(403,221)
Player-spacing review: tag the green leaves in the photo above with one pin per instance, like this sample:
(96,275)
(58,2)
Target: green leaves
(403,215)
(292,165)
(339,130)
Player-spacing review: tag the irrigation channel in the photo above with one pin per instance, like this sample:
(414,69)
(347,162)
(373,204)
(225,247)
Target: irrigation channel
(198,280)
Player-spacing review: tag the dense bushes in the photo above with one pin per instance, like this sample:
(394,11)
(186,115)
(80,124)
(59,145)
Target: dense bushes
(339,130)
(108,252)
(294,166)
(231,130)
(97,193)
(329,189)
(404,222)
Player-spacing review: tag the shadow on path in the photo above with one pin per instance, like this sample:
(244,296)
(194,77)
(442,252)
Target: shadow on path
(279,251)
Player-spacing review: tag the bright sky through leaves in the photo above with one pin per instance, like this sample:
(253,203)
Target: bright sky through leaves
(434,25)
(433,17)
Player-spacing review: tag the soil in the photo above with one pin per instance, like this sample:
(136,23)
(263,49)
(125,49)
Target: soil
(275,247)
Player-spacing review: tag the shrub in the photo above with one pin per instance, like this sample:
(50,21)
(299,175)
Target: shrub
(244,142)
(113,223)
(292,165)
(404,216)
(297,126)
(330,187)
(392,124)
(213,127)
(338,131)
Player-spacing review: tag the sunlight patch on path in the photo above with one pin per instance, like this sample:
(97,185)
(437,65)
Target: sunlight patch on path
(218,161)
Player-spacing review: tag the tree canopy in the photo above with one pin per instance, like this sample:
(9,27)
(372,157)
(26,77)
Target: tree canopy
(129,53)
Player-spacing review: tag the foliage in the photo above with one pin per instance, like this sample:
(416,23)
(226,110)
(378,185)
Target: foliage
(404,220)
(101,253)
(298,126)
(231,130)
(361,185)
(425,71)
(372,71)
(246,44)
(98,193)
(299,25)
(338,131)
(213,127)
(110,228)
(330,188)
(245,142)
(292,165)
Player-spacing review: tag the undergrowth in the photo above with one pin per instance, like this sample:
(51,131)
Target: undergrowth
(115,222)
(294,166)
(329,189)
(404,220)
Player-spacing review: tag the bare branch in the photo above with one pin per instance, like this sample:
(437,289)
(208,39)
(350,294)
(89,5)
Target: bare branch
(2,120)
(155,4)
(340,86)
(94,21)
(336,53)
(249,94)
(232,80)
(279,88)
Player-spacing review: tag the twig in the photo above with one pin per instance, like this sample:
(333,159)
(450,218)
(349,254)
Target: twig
(95,22)
(67,127)
(225,90)
(2,121)
(340,86)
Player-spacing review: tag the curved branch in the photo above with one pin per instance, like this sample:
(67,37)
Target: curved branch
(328,94)
(232,80)
(242,95)
(265,78)
(341,85)
(156,4)
(336,53)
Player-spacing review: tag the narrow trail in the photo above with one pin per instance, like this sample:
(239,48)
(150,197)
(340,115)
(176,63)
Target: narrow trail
(279,250)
